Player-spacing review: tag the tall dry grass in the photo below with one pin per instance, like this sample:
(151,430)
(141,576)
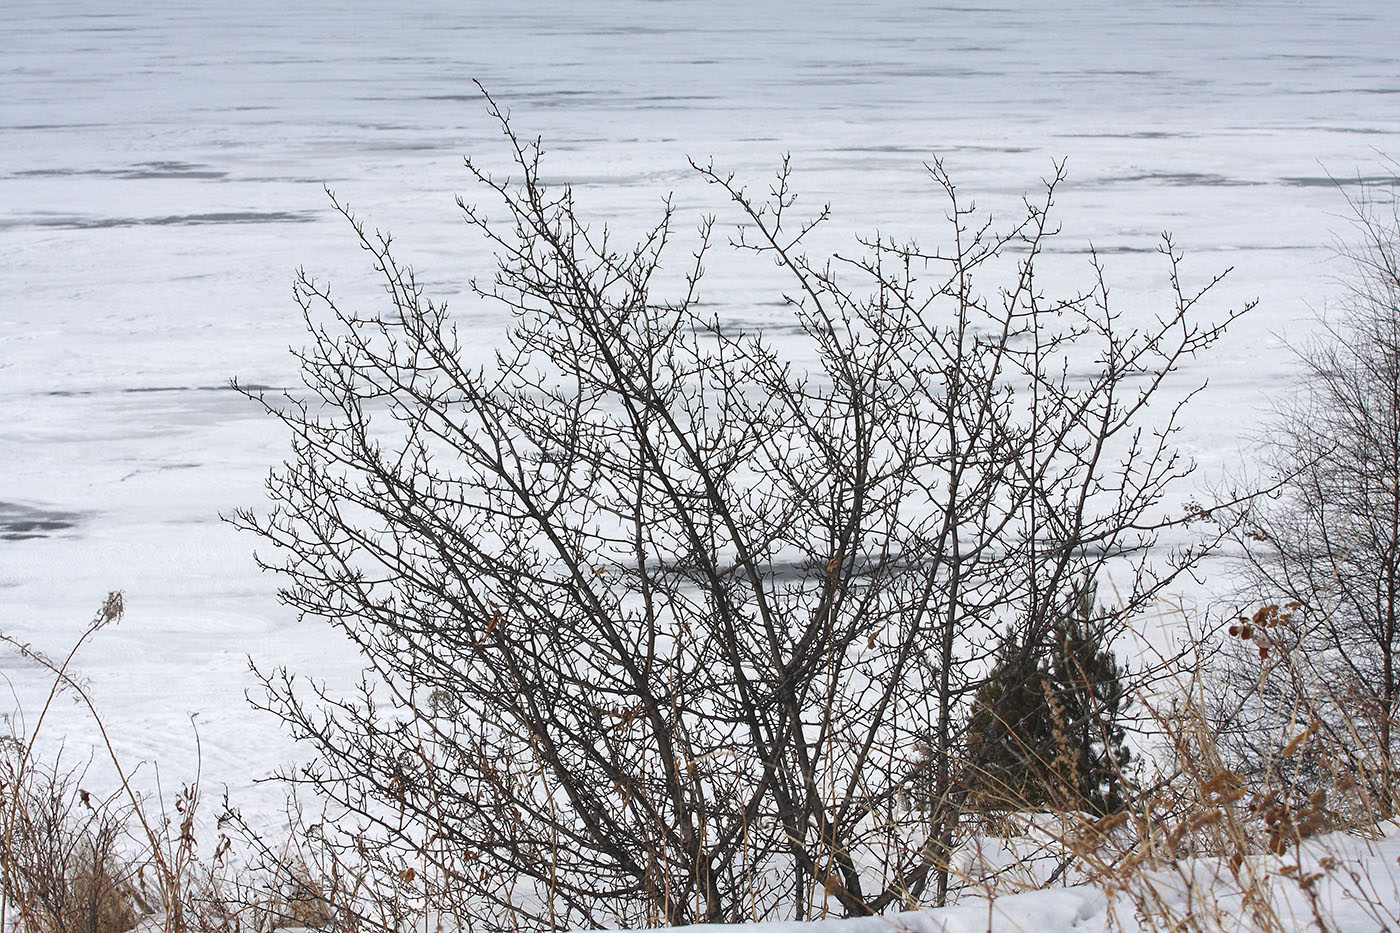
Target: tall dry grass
(1204,842)
(74,861)
(1218,836)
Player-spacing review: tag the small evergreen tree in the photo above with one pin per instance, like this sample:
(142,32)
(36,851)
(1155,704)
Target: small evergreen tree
(1009,731)
(1046,727)
(1089,682)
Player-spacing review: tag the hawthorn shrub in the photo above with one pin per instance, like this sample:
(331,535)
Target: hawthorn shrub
(661,628)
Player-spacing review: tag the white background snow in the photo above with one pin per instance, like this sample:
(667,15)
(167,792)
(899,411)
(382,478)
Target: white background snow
(161,173)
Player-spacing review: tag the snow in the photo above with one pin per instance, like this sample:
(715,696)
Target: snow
(1333,882)
(161,172)
(1061,909)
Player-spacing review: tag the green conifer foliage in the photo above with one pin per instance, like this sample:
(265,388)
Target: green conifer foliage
(1046,728)
(1009,731)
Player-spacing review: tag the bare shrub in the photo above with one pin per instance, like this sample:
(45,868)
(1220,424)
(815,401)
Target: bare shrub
(656,625)
(1324,554)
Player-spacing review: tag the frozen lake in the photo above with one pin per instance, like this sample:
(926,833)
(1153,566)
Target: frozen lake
(161,173)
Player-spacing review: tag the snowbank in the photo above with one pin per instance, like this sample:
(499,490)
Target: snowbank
(1335,882)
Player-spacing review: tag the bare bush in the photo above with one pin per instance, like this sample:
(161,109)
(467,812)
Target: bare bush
(1325,552)
(657,626)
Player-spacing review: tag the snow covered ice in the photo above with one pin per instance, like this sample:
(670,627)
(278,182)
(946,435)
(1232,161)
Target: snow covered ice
(161,173)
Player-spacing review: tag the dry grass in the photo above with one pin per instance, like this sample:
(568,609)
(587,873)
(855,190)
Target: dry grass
(1209,842)
(1202,844)
(72,861)
(64,866)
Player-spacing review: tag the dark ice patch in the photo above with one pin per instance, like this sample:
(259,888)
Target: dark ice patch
(1140,134)
(140,170)
(1328,181)
(129,390)
(173,220)
(1384,91)
(897,149)
(1361,130)
(1184,180)
(55,126)
(223,387)
(19,522)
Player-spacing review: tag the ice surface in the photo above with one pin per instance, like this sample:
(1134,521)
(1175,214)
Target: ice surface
(161,172)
